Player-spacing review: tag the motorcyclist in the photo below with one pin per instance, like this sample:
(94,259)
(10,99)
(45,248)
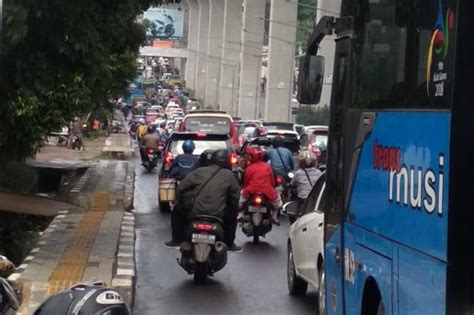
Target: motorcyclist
(258,178)
(184,163)
(149,141)
(141,129)
(281,159)
(210,190)
(306,176)
(162,133)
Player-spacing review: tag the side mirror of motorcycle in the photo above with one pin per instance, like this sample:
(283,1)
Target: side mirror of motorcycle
(291,208)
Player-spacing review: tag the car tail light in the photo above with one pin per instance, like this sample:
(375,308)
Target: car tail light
(203,226)
(279,180)
(201,134)
(168,157)
(257,200)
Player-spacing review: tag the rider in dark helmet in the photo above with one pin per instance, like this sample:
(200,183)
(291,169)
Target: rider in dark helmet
(209,190)
(85,299)
(205,158)
(184,163)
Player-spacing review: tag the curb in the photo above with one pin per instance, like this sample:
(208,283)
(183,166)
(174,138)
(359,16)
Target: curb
(124,278)
(129,187)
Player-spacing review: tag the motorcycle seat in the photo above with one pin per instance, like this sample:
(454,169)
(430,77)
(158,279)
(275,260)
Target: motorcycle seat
(208,218)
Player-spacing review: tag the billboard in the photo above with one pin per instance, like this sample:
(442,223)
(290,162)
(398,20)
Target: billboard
(163,23)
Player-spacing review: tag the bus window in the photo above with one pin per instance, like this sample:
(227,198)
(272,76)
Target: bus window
(398,61)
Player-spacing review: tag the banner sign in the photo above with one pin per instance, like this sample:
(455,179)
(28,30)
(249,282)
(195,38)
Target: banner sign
(163,23)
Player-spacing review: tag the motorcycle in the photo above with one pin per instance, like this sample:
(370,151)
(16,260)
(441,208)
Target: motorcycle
(257,218)
(75,142)
(150,159)
(9,291)
(204,253)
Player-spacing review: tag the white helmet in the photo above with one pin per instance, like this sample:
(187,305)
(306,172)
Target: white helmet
(141,121)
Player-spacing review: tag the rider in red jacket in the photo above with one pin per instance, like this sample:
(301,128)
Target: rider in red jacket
(259,179)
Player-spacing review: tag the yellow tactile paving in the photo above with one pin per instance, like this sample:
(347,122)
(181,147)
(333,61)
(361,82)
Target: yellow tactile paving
(74,259)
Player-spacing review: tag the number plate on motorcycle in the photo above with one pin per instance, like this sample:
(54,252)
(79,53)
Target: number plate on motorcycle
(151,156)
(255,209)
(203,238)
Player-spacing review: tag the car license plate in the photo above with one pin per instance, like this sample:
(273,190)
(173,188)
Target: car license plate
(203,238)
(255,209)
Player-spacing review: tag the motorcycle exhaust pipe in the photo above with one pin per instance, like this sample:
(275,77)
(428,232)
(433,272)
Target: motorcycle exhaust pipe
(220,256)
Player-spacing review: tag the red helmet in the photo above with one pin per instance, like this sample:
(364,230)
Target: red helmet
(255,153)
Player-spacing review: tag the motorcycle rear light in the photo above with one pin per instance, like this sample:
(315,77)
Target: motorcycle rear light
(279,180)
(150,151)
(233,158)
(168,157)
(203,226)
(257,200)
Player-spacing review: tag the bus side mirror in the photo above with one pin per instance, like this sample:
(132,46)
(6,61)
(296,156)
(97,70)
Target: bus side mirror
(310,79)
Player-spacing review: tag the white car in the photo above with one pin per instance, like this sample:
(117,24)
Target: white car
(306,244)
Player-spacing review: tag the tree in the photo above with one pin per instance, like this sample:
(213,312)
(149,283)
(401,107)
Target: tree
(306,18)
(312,115)
(62,58)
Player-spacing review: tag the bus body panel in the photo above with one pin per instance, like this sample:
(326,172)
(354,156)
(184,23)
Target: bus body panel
(333,269)
(400,187)
(422,283)
(366,255)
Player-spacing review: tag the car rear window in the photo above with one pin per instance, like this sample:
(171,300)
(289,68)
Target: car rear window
(201,146)
(207,124)
(279,126)
(284,135)
(319,140)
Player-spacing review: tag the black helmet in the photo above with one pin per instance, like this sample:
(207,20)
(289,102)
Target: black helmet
(278,142)
(220,158)
(205,158)
(85,299)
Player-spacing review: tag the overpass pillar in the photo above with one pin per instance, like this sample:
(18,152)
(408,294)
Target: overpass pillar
(214,52)
(193,36)
(230,61)
(251,58)
(201,53)
(281,60)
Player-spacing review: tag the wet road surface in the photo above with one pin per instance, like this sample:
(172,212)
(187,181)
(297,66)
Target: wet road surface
(252,282)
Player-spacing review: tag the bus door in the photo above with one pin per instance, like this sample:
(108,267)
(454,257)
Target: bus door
(333,234)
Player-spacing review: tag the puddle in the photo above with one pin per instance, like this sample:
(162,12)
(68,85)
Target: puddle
(19,234)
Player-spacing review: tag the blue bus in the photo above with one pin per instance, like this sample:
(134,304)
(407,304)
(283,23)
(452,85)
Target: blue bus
(399,208)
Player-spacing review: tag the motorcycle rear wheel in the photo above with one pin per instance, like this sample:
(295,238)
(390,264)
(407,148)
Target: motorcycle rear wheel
(200,273)
(256,236)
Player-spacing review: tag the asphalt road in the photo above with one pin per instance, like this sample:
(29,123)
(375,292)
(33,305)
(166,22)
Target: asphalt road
(253,281)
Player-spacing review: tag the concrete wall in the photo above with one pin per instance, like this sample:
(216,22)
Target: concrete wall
(251,51)
(230,61)
(327,47)
(193,28)
(203,39)
(283,20)
(214,51)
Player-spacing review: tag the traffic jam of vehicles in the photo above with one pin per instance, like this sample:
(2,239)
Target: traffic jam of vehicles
(276,163)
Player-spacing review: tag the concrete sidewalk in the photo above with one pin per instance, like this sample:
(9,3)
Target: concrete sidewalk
(95,243)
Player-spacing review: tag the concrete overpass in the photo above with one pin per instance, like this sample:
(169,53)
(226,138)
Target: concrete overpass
(223,59)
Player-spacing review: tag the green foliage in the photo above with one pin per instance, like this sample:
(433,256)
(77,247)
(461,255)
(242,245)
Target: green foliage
(62,58)
(311,115)
(306,18)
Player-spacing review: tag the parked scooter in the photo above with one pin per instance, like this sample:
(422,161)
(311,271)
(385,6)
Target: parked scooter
(257,218)
(204,253)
